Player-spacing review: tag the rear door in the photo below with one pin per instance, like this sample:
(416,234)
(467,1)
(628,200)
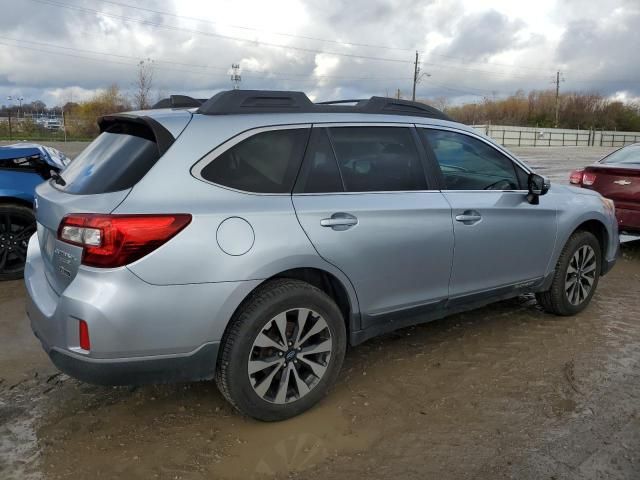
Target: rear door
(97,181)
(364,202)
(501,240)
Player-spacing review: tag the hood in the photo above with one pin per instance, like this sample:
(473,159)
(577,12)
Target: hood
(49,155)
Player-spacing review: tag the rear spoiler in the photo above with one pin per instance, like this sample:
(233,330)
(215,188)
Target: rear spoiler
(163,137)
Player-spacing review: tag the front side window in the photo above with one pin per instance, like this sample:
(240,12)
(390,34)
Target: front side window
(470,164)
(378,159)
(266,162)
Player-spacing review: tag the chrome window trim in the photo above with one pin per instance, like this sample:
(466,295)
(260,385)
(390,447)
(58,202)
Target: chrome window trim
(196,169)
(363,124)
(373,192)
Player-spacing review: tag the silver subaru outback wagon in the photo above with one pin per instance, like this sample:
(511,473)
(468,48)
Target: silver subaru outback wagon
(251,237)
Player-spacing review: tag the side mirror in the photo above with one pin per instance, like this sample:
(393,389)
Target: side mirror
(538,185)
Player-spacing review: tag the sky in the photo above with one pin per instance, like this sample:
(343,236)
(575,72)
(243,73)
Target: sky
(65,50)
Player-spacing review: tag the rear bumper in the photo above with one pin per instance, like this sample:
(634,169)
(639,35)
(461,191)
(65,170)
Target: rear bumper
(201,365)
(140,333)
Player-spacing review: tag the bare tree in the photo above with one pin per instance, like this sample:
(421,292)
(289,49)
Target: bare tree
(143,84)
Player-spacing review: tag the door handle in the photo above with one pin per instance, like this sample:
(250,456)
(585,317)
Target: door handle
(469,217)
(339,221)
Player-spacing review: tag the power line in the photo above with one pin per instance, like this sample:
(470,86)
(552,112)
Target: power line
(171,62)
(242,27)
(304,37)
(227,37)
(217,35)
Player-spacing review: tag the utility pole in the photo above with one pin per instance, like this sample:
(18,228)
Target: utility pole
(558,79)
(236,78)
(398,94)
(417,76)
(416,71)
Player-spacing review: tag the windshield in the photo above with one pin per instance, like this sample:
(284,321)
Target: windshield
(627,155)
(114,161)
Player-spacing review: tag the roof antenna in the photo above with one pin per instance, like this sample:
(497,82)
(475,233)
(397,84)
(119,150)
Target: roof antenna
(236,78)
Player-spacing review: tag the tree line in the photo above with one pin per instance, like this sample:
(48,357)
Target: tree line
(538,108)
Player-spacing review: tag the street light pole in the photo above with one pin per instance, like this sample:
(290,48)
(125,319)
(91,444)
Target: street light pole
(10,99)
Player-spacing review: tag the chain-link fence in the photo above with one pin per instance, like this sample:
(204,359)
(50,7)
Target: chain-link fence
(61,129)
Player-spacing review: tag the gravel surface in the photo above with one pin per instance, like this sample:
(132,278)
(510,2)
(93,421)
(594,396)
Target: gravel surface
(505,391)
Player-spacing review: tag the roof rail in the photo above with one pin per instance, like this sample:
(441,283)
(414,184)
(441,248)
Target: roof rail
(179,101)
(270,101)
(337,102)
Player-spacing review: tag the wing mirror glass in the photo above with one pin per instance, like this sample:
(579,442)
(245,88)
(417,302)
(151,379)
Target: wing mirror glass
(538,185)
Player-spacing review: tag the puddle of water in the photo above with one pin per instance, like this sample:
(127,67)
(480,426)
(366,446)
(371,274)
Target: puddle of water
(19,447)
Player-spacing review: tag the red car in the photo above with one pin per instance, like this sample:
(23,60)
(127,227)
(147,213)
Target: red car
(617,177)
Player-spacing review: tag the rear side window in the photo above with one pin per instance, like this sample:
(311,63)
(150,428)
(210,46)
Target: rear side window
(378,159)
(267,162)
(116,160)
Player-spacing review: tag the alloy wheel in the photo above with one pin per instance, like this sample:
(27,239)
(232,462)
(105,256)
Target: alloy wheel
(290,355)
(581,274)
(15,231)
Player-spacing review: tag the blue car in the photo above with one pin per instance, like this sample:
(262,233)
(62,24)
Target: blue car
(23,166)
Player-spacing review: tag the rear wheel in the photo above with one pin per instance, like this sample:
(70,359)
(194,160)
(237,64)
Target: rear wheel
(17,224)
(282,351)
(576,276)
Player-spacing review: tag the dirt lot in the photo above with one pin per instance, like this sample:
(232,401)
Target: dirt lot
(504,391)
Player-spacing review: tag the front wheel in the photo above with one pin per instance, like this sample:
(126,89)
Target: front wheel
(576,276)
(282,351)
(17,224)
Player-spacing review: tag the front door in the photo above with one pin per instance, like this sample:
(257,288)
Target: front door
(501,240)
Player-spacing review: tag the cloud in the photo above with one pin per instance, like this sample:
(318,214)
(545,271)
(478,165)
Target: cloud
(480,35)
(471,48)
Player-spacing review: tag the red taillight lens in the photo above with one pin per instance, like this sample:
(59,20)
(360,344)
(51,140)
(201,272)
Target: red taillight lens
(576,177)
(588,178)
(83,333)
(115,240)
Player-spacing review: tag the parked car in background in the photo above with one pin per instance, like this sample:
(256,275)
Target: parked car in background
(616,176)
(22,167)
(252,238)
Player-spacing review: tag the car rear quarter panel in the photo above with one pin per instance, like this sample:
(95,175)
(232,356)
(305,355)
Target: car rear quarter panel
(195,256)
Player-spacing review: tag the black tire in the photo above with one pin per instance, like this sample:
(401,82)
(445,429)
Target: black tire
(17,224)
(556,299)
(252,317)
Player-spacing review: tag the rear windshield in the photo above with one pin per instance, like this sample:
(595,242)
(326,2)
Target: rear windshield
(114,161)
(626,155)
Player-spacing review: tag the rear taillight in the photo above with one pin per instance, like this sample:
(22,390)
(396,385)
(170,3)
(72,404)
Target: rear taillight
(576,177)
(588,178)
(116,240)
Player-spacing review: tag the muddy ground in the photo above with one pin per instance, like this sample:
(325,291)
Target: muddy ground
(506,391)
